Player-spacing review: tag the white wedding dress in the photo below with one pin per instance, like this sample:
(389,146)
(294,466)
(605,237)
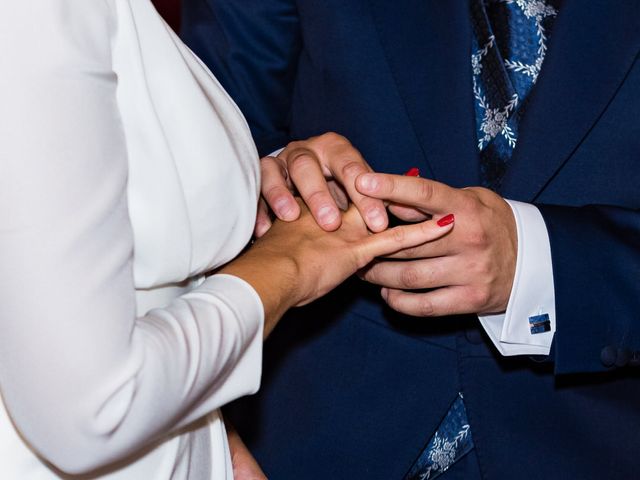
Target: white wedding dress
(126,173)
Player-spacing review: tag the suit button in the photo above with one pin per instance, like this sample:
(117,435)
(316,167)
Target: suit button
(473,336)
(635,359)
(623,356)
(608,356)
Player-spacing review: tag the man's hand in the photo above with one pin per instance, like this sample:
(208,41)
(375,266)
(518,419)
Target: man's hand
(323,171)
(245,466)
(470,270)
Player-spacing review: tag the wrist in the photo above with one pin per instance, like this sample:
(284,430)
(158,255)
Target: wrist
(274,277)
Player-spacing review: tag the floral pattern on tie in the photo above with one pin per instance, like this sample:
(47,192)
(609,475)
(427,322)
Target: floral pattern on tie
(509,46)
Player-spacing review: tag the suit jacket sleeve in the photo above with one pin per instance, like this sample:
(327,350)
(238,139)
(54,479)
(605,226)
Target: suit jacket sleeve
(252,48)
(596,271)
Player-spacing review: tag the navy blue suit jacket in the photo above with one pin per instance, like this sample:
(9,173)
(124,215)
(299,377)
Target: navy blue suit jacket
(354,390)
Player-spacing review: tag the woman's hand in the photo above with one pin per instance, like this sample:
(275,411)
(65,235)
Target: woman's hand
(298,262)
(322,170)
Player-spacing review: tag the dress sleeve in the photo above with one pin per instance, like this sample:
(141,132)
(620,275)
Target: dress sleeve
(85,381)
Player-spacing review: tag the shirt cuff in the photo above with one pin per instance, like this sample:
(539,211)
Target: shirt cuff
(532,293)
(275,153)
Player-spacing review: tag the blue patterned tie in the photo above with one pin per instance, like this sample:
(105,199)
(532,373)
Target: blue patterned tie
(508,47)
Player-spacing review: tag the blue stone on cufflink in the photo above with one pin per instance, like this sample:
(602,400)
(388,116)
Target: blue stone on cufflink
(540,323)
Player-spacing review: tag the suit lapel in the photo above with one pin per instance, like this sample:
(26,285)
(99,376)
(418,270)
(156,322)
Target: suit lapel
(428,47)
(592,50)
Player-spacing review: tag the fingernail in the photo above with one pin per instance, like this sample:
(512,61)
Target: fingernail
(446,220)
(368,181)
(376,219)
(412,172)
(283,207)
(262,228)
(384,293)
(327,215)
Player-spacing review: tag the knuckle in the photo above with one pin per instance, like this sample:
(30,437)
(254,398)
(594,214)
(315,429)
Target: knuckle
(292,147)
(305,168)
(317,198)
(410,277)
(301,158)
(425,306)
(477,237)
(470,204)
(268,165)
(352,168)
(482,195)
(425,190)
(333,137)
(480,297)
(268,160)
(412,252)
(271,193)
(481,269)
(398,234)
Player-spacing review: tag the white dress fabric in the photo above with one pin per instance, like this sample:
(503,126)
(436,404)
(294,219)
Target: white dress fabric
(126,173)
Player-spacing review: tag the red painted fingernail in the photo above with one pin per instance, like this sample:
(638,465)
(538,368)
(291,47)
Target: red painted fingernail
(446,220)
(412,172)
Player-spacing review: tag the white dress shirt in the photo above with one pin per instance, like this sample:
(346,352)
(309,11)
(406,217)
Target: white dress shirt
(532,293)
(126,172)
